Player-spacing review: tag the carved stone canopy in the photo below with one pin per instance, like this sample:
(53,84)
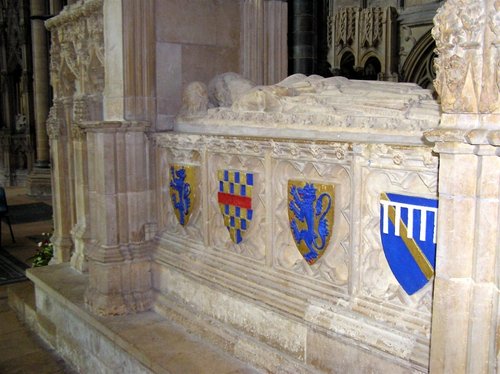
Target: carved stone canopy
(315,108)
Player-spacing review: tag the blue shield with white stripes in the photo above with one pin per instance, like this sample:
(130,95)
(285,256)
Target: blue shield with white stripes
(408,233)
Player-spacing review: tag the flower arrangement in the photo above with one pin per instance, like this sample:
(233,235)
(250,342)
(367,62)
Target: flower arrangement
(44,252)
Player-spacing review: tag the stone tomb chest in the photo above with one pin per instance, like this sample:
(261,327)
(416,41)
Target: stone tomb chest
(297,225)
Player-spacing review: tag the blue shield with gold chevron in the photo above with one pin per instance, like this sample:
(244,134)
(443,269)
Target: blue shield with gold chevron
(235,201)
(408,233)
(311,212)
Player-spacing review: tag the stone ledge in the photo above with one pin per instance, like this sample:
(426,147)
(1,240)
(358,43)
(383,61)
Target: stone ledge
(143,342)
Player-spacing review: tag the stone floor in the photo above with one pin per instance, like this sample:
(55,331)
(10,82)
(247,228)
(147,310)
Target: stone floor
(21,351)
(24,246)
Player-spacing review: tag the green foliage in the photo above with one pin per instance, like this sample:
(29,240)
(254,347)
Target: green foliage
(44,252)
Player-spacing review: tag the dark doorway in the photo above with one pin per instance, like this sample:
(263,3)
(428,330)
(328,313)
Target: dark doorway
(372,69)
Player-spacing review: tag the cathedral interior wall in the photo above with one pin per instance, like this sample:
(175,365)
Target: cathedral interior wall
(194,42)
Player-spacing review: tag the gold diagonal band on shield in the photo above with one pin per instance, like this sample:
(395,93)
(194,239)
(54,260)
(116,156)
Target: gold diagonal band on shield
(415,251)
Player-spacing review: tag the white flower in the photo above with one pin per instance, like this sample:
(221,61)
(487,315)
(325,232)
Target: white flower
(40,244)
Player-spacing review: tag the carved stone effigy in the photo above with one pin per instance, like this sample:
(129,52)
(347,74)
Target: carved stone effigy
(295,190)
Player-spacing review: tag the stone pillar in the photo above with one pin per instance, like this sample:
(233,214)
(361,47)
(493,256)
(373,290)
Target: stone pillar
(80,231)
(41,81)
(61,237)
(301,43)
(114,85)
(264,43)
(118,164)
(276,28)
(39,178)
(119,266)
(465,322)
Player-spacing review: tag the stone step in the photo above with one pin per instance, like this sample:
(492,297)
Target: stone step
(21,298)
(137,343)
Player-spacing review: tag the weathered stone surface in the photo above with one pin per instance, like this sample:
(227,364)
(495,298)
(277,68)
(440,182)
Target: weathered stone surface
(143,343)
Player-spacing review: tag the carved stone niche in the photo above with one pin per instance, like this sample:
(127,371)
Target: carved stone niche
(363,42)
(359,139)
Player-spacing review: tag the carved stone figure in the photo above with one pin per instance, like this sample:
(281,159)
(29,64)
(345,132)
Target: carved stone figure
(194,99)
(225,88)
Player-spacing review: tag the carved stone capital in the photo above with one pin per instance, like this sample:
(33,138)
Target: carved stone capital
(467,78)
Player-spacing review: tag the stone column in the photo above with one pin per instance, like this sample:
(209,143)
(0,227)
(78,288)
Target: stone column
(276,29)
(264,40)
(62,209)
(39,179)
(465,322)
(118,171)
(302,43)
(80,231)
(118,260)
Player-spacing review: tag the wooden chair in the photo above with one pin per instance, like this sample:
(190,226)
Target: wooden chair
(4,214)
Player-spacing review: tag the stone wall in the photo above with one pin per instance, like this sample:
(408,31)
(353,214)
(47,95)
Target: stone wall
(195,40)
(346,312)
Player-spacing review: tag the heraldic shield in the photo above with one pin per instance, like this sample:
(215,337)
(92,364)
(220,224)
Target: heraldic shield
(182,185)
(408,233)
(311,212)
(235,201)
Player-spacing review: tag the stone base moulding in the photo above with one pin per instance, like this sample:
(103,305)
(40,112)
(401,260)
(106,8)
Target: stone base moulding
(125,344)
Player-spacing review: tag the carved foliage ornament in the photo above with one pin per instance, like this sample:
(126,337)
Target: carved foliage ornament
(345,26)
(467,77)
(53,123)
(77,50)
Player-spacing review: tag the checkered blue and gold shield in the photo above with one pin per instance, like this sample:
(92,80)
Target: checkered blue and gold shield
(235,201)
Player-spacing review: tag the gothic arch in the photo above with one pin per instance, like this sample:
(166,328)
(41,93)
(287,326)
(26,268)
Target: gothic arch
(347,64)
(419,66)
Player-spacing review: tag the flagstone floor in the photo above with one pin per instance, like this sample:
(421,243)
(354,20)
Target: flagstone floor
(25,234)
(21,351)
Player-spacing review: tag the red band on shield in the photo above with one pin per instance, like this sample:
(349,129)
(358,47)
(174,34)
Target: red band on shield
(240,201)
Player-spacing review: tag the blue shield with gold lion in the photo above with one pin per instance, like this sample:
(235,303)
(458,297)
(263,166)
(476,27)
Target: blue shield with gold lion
(311,213)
